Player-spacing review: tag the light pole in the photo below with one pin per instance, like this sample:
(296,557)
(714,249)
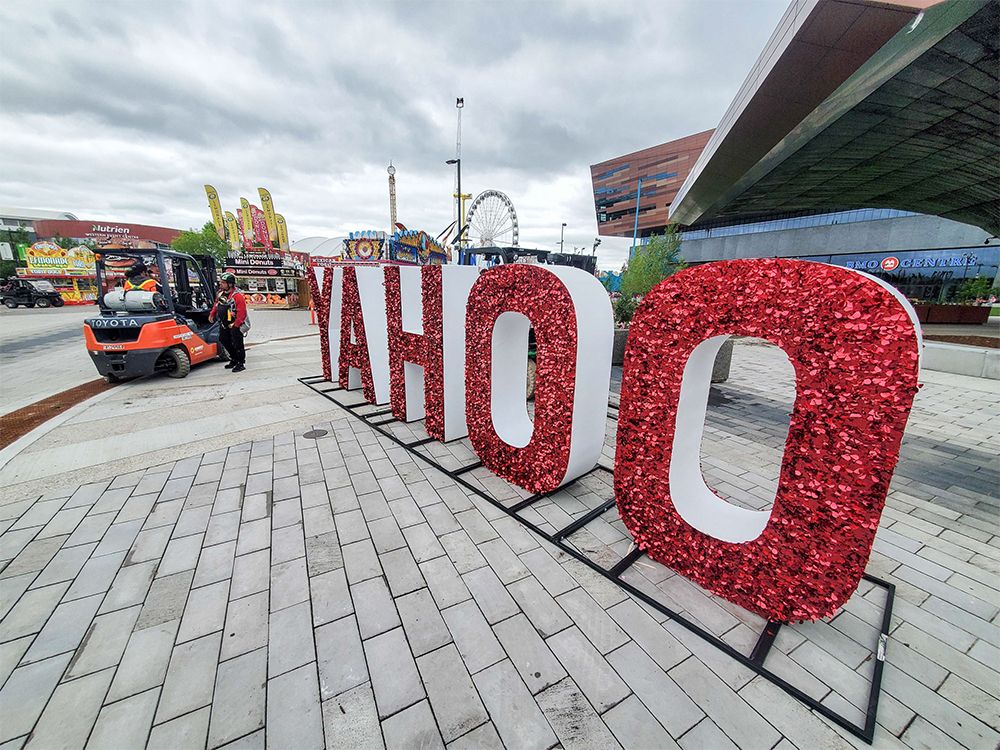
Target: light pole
(597,241)
(562,236)
(635,228)
(458,207)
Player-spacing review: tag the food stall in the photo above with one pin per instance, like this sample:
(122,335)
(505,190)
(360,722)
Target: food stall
(269,278)
(71,271)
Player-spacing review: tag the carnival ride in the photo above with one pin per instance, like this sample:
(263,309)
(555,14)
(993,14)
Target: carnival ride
(492,221)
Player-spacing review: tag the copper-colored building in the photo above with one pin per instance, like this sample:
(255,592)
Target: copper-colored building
(662,170)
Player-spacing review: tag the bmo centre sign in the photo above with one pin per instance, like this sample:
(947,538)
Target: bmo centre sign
(448,345)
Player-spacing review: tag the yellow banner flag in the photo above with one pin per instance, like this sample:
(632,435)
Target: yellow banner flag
(279,220)
(247,218)
(216,209)
(269,215)
(233,231)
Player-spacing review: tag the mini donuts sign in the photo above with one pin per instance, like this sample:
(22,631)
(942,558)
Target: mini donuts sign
(448,344)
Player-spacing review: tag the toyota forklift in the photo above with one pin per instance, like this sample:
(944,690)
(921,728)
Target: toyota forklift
(145,332)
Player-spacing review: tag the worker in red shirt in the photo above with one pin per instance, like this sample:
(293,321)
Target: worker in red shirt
(230,310)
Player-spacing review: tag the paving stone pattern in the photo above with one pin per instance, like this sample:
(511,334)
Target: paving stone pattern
(336,592)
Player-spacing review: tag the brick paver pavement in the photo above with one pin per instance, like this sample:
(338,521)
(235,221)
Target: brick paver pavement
(334,592)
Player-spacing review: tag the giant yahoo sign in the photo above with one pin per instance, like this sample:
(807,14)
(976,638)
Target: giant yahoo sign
(448,345)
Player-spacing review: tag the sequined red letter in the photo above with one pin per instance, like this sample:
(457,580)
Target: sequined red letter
(571,315)
(363,347)
(427,362)
(855,350)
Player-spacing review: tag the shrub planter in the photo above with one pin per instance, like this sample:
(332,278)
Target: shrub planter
(967,314)
(618,349)
(720,372)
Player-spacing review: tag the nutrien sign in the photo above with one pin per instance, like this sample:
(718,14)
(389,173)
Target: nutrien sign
(448,344)
(106,233)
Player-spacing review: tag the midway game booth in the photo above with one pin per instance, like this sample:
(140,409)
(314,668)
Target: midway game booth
(433,358)
(71,271)
(403,247)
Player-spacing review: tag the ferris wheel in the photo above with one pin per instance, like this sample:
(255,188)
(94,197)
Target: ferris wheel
(492,221)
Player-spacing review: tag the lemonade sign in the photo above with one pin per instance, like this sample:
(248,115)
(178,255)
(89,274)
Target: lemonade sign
(47,258)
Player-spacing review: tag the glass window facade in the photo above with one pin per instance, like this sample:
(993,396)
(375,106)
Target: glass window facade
(796,221)
(926,275)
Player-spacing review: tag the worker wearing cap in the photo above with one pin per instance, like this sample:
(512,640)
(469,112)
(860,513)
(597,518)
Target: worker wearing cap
(139,280)
(230,310)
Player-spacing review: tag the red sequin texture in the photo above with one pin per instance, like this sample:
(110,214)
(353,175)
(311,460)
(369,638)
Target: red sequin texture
(855,355)
(354,355)
(538,294)
(321,305)
(424,349)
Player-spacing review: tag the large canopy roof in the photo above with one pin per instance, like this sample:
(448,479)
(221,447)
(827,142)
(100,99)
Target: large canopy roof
(914,127)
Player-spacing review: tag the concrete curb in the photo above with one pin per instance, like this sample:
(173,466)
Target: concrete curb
(957,359)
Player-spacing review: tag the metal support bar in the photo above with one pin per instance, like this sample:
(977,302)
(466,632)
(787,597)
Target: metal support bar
(584,520)
(470,467)
(518,507)
(378,413)
(418,443)
(764,642)
(624,564)
(755,661)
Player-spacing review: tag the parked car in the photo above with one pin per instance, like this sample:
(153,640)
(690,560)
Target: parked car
(30,293)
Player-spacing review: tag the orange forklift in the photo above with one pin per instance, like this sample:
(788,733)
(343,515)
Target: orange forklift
(141,332)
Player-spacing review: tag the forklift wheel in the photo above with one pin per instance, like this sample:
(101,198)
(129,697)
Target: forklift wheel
(221,353)
(10,303)
(178,364)
(43,302)
(112,378)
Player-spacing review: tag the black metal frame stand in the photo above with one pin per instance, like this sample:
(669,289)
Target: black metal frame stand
(755,661)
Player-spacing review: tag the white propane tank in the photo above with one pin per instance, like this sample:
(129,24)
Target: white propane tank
(132,301)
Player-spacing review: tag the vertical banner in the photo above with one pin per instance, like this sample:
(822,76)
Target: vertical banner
(282,229)
(855,347)
(246,236)
(232,231)
(269,216)
(215,207)
(246,218)
(571,315)
(260,230)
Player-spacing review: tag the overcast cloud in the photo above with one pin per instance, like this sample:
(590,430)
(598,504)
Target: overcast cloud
(121,111)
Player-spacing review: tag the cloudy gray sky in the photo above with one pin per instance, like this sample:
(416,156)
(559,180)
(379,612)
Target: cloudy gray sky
(122,110)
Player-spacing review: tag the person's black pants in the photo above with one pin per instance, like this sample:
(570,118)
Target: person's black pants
(232,341)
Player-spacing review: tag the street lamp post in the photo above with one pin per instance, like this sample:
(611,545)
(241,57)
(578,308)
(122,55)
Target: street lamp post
(458,206)
(635,228)
(562,235)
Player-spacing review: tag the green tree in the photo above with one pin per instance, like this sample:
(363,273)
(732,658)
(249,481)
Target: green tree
(980,287)
(653,262)
(67,243)
(204,242)
(15,237)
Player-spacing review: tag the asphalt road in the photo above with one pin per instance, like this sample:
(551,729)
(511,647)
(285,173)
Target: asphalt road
(42,351)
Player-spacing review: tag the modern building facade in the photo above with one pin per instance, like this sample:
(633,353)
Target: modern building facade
(866,135)
(649,178)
